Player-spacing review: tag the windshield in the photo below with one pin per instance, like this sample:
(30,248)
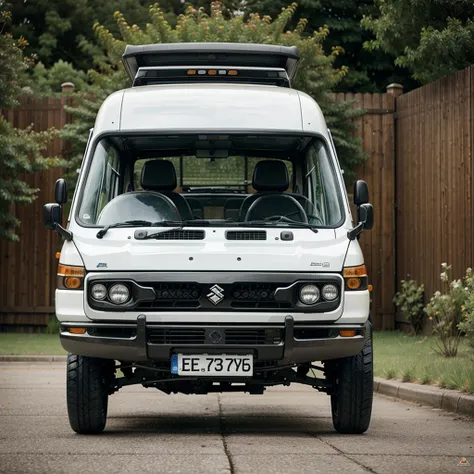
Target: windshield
(219,180)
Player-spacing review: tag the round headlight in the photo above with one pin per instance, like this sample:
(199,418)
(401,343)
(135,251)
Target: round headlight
(329,292)
(119,294)
(309,294)
(98,291)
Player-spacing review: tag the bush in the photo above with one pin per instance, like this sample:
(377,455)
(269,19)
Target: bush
(467,323)
(410,303)
(316,74)
(445,310)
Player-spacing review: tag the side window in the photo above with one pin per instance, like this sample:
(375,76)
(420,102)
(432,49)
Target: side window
(110,177)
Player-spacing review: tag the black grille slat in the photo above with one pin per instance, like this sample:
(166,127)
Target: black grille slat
(176,336)
(181,235)
(246,235)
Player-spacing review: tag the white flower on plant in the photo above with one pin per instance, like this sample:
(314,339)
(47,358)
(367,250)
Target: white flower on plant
(444,276)
(455,284)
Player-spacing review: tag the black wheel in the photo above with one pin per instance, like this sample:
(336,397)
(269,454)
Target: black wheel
(351,400)
(87,392)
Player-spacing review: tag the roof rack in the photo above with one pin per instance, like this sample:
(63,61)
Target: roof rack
(254,63)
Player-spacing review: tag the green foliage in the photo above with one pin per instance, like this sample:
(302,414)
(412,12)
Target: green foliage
(47,81)
(445,310)
(316,75)
(432,38)
(20,150)
(467,323)
(410,303)
(367,71)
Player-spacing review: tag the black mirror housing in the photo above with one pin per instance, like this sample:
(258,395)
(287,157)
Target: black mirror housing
(361,192)
(60,191)
(52,215)
(366,215)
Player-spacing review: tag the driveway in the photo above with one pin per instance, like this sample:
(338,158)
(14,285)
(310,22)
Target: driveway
(287,430)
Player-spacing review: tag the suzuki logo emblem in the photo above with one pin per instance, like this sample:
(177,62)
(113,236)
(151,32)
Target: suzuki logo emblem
(216,295)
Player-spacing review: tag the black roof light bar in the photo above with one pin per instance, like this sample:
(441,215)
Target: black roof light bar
(223,74)
(209,55)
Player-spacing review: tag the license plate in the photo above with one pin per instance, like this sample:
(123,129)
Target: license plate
(220,365)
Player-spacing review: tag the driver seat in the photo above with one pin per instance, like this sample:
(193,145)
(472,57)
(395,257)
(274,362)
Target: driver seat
(269,177)
(160,176)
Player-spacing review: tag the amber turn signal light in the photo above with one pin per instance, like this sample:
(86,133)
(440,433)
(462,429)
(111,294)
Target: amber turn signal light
(77,330)
(358,271)
(73,283)
(68,270)
(347,333)
(356,277)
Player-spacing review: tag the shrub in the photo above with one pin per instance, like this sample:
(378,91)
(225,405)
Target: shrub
(410,303)
(445,310)
(467,323)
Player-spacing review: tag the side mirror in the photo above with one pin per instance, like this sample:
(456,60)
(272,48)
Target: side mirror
(361,192)
(52,215)
(60,191)
(366,215)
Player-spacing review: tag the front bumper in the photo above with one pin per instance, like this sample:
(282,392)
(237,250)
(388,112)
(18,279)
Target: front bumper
(296,343)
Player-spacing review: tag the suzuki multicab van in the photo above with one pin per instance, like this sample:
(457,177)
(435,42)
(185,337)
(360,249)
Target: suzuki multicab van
(210,245)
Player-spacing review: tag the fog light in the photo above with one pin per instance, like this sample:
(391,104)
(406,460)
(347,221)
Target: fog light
(119,294)
(347,333)
(309,294)
(330,292)
(98,291)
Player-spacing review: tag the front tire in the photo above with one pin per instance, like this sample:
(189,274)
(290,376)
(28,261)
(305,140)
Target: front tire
(87,392)
(351,400)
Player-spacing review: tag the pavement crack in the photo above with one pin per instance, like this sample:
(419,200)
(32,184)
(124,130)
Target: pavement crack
(223,429)
(368,469)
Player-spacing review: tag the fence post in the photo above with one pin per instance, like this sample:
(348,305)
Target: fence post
(395,89)
(67,87)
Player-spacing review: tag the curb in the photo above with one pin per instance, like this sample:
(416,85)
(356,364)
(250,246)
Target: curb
(449,400)
(32,358)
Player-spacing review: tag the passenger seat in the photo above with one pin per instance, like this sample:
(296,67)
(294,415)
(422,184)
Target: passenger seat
(160,176)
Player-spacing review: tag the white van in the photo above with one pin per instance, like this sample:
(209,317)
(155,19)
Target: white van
(210,245)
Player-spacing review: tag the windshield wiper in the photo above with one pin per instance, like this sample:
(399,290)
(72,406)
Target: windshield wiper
(277,220)
(141,223)
(178,225)
(135,223)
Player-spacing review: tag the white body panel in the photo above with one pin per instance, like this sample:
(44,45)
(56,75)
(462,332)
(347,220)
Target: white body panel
(208,107)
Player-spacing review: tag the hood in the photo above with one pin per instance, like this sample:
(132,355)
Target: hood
(120,251)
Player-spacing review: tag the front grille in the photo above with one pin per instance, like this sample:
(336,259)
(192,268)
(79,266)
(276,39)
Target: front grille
(257,296)
(181,235)
(214,335)
(174,295)
(246,235)
(177,335)
(258,336)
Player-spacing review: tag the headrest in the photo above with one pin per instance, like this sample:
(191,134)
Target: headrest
(158,175)
(270,175)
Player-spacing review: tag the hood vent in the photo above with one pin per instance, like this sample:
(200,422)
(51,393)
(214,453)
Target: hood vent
(181,235)
(246,235)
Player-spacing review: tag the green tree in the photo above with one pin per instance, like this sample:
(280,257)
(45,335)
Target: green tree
(316,75)
(20,150)
(367,71)
(431,38)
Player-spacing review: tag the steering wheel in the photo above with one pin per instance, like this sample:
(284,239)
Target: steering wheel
(262,200)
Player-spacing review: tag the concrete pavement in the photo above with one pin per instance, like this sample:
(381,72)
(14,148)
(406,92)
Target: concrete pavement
(287,430)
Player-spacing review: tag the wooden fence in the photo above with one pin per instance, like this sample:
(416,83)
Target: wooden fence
(28,268)
(434,179)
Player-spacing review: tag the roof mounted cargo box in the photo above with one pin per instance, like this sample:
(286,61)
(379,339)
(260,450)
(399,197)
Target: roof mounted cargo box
(237,62)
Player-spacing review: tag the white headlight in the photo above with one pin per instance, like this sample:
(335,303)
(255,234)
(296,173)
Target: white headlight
(119,294)
(309,294)
(329,292)
(98,291)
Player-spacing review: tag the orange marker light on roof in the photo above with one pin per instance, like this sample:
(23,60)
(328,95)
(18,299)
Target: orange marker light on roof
(212,72)
(191,72)
(232,72)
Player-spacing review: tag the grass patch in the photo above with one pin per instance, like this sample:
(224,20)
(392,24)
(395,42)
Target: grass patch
(415,359)
(30,344)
